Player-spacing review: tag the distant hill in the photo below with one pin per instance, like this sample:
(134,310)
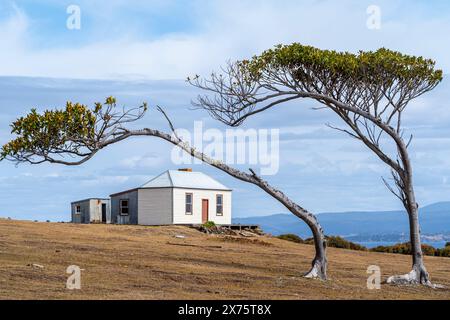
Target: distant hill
(434,219)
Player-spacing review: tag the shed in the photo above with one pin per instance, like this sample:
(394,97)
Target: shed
(181,197)
(92,210)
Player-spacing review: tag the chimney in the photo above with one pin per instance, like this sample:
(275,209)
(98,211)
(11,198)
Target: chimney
(185,169)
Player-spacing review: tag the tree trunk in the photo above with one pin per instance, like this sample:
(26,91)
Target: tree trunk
(418,274)
(421,274)
(319,264)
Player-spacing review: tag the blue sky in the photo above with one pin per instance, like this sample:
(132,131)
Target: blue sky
(140,50)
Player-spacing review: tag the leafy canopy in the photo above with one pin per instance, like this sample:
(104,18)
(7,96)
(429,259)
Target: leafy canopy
(380,82)
(76,130)
(368,67)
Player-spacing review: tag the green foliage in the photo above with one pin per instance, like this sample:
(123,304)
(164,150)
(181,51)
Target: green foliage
(291,237)
(447,244)
(308,64)
(338,242)
(405,248)
(444,252)
(400,248)
(54,130)
(332,241)
(209,225)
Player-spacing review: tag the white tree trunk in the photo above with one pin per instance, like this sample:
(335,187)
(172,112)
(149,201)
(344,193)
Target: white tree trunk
(418,274)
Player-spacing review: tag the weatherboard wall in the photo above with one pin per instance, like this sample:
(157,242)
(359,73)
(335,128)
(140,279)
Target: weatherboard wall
(179,206)
(96,210)
(155,206)
(91,211)
(132,217)
(84,215)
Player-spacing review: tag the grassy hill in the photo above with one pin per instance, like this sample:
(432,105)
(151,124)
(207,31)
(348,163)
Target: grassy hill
(135,262)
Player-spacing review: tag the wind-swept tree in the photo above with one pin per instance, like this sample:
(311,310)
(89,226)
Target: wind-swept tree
(75,134)
(369,91)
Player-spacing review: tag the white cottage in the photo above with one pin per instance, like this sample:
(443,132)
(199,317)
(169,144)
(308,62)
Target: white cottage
(174,197)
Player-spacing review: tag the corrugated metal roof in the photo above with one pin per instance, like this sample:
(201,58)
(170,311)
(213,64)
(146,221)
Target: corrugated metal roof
(89,199)
(184,179)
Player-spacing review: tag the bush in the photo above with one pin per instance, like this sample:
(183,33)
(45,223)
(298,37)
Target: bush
(338,242)
(405,248)
(335,242)
(209,224)
(428,250)
(308,241)
(399,248)
(291,237)
(444,252)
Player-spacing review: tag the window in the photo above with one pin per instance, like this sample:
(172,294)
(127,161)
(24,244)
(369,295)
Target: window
(219,205)
(124,207)
(189,203)
(78,209)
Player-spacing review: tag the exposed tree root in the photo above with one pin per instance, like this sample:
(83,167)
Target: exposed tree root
(318,270)
(417,276)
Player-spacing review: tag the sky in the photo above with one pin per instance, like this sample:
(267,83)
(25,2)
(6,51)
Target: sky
(142,51)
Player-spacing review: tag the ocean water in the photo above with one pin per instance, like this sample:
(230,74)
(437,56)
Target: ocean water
(373,244)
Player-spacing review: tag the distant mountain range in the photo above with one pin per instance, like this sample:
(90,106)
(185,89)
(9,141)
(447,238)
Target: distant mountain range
(375,226)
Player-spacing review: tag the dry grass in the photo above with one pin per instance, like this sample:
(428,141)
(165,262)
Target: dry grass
(135,262)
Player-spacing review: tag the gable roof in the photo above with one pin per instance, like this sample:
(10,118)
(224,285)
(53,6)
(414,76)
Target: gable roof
(184,179)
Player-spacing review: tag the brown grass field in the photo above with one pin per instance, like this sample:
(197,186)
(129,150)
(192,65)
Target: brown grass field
(135,262)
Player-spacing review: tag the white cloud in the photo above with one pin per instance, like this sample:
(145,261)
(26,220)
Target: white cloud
(147,161)
(226,29)
(103,180)
(12,33)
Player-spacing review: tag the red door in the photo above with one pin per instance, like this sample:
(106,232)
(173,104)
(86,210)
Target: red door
(205,208)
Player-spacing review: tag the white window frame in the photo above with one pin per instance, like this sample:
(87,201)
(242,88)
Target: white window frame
(121,206)
(219,214)
(191,203)
(77,209)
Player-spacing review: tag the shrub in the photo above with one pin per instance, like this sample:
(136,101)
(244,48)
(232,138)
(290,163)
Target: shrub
(291,237)
(444,252)
(399,248)
(405,248)
(338,242)
(428,250)
(209,224)
(402,248)
(332,241)
(308,241)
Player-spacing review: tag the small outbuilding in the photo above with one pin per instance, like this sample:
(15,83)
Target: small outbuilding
(93,210)
(179,197)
